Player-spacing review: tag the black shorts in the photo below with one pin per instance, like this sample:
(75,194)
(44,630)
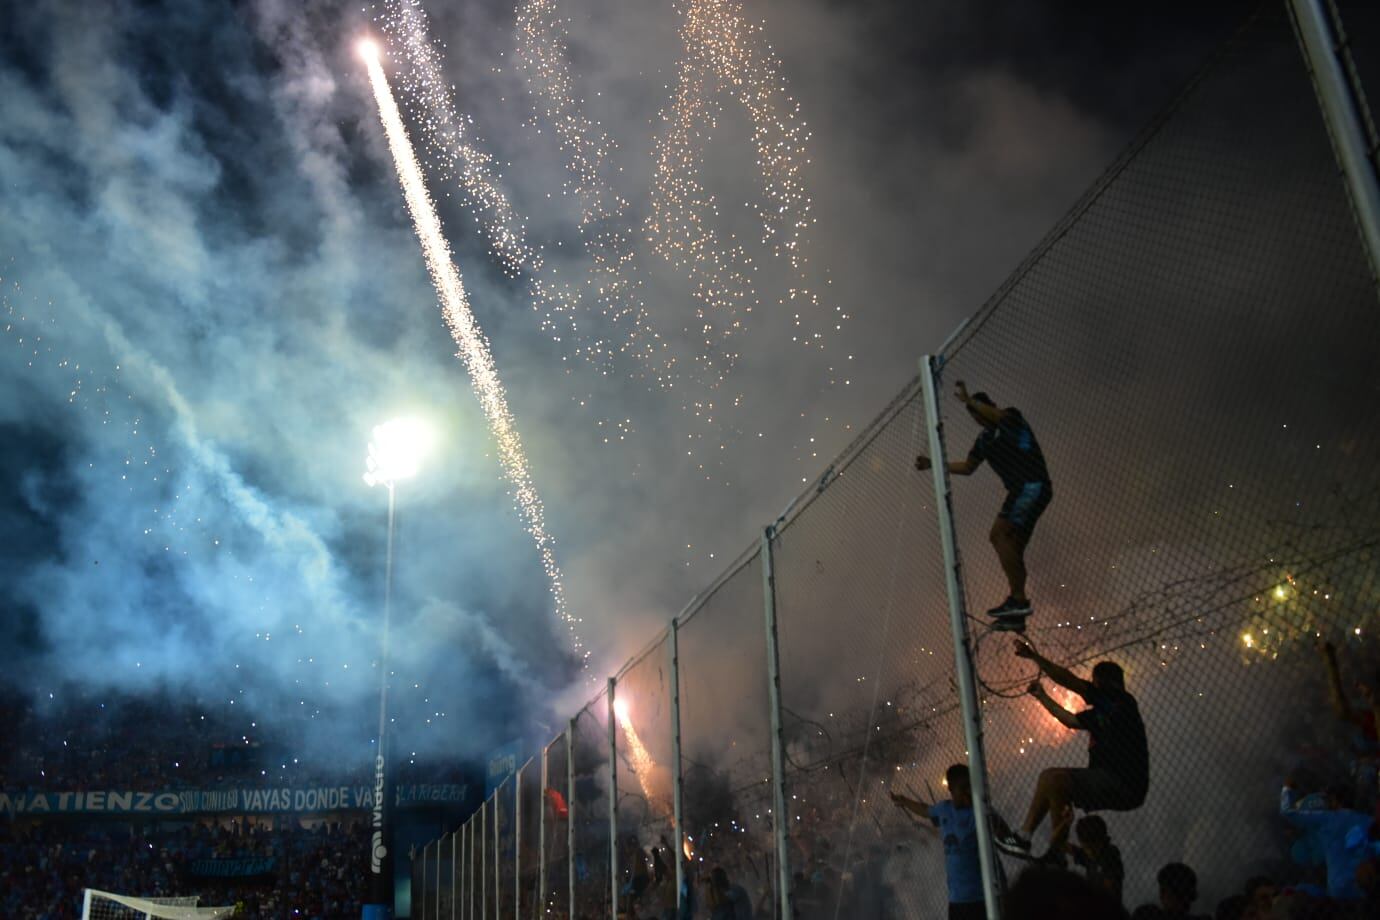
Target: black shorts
(1025,504)
(1103,790)
(969,910)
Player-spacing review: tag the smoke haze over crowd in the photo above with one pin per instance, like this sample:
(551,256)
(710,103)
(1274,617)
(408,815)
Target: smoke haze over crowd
(212,294)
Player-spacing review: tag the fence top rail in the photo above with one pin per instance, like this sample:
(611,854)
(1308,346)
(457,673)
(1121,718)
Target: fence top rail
(638,657)
(546,748)
(700,600)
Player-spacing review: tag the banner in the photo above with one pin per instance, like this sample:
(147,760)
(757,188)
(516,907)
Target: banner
(236,799)
(503,763)
(231,868)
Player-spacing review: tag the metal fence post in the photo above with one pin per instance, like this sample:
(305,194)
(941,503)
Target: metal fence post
(963,658)
(498,857)
(484,863)
(1343,108)
(677,788)
(457,876)
(613,801)
(570,816)
(517,842)
(541,828)
(474,889)
(436,909)
(778,758)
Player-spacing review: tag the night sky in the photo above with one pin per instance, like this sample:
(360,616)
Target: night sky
(212,293)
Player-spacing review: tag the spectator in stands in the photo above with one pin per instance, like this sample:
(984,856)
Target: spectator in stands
(958,828)
(1097,856)
(727,899)
(1340,833)
(1260,892)
(1046,893)
(1118,773)
(1008,444)
(1363,717)
(1178,890)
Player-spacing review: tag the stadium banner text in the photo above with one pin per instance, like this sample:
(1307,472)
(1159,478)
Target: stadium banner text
(238,799)
(232,868)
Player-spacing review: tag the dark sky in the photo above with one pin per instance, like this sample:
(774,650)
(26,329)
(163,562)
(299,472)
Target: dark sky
(213,293)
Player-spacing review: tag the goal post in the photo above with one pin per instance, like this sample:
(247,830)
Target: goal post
(103,905)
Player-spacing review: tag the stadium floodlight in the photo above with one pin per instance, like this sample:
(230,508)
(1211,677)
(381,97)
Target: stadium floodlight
(396,452)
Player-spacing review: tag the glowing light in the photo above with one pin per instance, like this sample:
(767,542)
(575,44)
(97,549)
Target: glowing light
(1248,640)
(397,450)
(638,758)
(474,347)
(1281,592)
(368,49)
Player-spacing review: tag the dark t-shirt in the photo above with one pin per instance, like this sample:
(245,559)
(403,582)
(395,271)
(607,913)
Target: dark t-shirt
(1116,737)
(1011,448)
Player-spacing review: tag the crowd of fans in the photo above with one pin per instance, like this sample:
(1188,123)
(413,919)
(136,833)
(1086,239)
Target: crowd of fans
(1327,866)
(298,872)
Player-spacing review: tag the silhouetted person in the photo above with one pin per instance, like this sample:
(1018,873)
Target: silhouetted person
(727,899)
(958,828)
(1178,890)
(1097,856)
(1009,446)
(1049,893)
(1117,776)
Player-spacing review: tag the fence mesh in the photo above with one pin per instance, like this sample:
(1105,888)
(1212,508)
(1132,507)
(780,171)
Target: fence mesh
(726,734)
(645,809)
(1188,350)
(505,819)
(590,806)
(555,849)
(530,799)
(860,585)
(445,876)
(1196,347)
(428,891)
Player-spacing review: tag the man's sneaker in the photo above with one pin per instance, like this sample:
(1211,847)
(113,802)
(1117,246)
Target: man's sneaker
(1011,608)
(1013,844)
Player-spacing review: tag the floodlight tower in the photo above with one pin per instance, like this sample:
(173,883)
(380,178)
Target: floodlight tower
(395,453)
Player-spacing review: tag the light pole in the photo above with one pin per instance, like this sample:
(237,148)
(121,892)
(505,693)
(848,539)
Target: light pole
(395,453)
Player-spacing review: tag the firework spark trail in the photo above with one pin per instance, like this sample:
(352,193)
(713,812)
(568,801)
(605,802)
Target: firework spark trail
(458,158)
(638,756)
(473,345)
(604,225)
(723,50)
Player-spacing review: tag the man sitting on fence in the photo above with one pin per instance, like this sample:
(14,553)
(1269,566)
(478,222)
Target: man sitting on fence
(1008,444)
(1118,773)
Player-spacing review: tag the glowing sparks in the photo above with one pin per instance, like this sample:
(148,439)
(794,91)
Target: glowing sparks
(724,52)
(638,758)
(474,347)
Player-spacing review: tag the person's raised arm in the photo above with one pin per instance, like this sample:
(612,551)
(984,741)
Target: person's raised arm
(1037,690)
(1060,675)
(913,806)
(989,414)
(1288,797)
(1335,694)
(965,467)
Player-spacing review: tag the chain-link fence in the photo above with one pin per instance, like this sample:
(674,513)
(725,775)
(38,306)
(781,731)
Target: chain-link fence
(1180,386)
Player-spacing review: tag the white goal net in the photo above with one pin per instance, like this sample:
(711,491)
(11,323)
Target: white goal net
(102,905)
